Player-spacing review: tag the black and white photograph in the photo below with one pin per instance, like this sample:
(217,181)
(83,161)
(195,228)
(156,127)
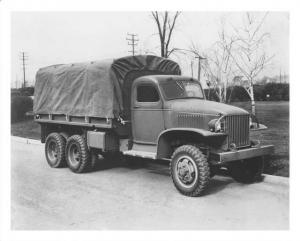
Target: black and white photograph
(149,120)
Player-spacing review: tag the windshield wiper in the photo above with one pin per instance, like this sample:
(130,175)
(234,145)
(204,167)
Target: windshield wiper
(190,97)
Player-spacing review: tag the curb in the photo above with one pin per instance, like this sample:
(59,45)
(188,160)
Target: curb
(26,140)
(276,179)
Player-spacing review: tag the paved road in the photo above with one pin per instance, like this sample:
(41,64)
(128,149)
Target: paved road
(135,198)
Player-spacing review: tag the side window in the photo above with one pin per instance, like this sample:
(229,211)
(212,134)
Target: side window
(147,93)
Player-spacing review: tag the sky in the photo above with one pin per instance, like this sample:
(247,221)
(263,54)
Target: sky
(50,38)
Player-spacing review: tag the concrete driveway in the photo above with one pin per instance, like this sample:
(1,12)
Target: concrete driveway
(135,198)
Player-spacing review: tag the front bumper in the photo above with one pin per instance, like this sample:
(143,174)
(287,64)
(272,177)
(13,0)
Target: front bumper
(223,157)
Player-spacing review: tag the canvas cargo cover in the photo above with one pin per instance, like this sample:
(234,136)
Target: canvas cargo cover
(96,89)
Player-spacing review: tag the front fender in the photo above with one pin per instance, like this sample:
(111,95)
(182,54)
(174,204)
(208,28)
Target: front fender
(164,149)
(202,132)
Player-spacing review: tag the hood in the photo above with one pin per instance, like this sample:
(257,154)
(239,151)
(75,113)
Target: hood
(203,106)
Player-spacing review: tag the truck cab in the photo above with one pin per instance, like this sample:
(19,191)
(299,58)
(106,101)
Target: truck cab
(170,112)
(166,105)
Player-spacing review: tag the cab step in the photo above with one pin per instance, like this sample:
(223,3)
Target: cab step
(143,154)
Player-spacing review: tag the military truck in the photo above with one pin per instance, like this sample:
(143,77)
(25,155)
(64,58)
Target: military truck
(142,106)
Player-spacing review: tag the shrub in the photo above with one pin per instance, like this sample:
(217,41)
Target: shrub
(28,91)
(19,106)
(277,91)
(269,91)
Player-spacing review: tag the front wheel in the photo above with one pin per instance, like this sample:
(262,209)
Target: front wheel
(247,171)
(189,170)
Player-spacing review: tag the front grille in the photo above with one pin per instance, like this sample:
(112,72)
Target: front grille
(194,120)
(237,128)
(190,120)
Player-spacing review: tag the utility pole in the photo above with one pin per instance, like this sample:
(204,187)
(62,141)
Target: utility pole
(192,68)
(199,65)
(132,38)
(24,58)
(16,82)
(280,76)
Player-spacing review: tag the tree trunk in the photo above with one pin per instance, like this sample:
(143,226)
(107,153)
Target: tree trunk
(252,99)
(253,107)
(220,94)
(162,50)
(225,92)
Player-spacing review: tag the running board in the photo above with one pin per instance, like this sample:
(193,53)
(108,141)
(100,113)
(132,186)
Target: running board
(143,154)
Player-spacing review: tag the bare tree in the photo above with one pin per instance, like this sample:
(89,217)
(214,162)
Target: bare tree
(237,58)
(249,55)
(165,23)
(219,67)
(199,55)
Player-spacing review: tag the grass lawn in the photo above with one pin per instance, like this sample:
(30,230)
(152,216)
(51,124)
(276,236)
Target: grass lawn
(27,128)
(275,115)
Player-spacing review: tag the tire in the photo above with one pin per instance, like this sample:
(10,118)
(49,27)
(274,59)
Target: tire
(247,171)
(64,135)
(77,154)
(55,150)
(189,170)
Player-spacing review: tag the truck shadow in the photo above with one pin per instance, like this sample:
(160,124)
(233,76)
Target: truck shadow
(218,182)
(161,167)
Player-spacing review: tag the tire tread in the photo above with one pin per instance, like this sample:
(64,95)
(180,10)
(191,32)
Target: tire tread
(61,143)
(85,162)
(202,165)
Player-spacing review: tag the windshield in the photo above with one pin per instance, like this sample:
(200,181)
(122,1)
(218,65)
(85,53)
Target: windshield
(181,89)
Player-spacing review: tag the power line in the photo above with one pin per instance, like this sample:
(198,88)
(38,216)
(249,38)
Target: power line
(132,38)
(24,58)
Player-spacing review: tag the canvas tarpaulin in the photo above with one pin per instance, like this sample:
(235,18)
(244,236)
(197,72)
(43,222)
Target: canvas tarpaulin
(96,89)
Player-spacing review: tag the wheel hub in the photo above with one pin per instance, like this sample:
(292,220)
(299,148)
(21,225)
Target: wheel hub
(74,154)
(186,171)
(52,151)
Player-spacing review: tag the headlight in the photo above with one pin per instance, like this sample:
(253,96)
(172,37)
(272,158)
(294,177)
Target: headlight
(216,125)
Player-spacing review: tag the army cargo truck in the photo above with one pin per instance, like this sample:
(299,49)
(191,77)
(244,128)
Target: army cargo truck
(141,106)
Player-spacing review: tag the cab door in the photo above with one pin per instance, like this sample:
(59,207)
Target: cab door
(147,113)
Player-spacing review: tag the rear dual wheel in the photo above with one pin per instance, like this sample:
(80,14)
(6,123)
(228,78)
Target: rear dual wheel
(55,150)
(80,159)
(78,156)
(61,150)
